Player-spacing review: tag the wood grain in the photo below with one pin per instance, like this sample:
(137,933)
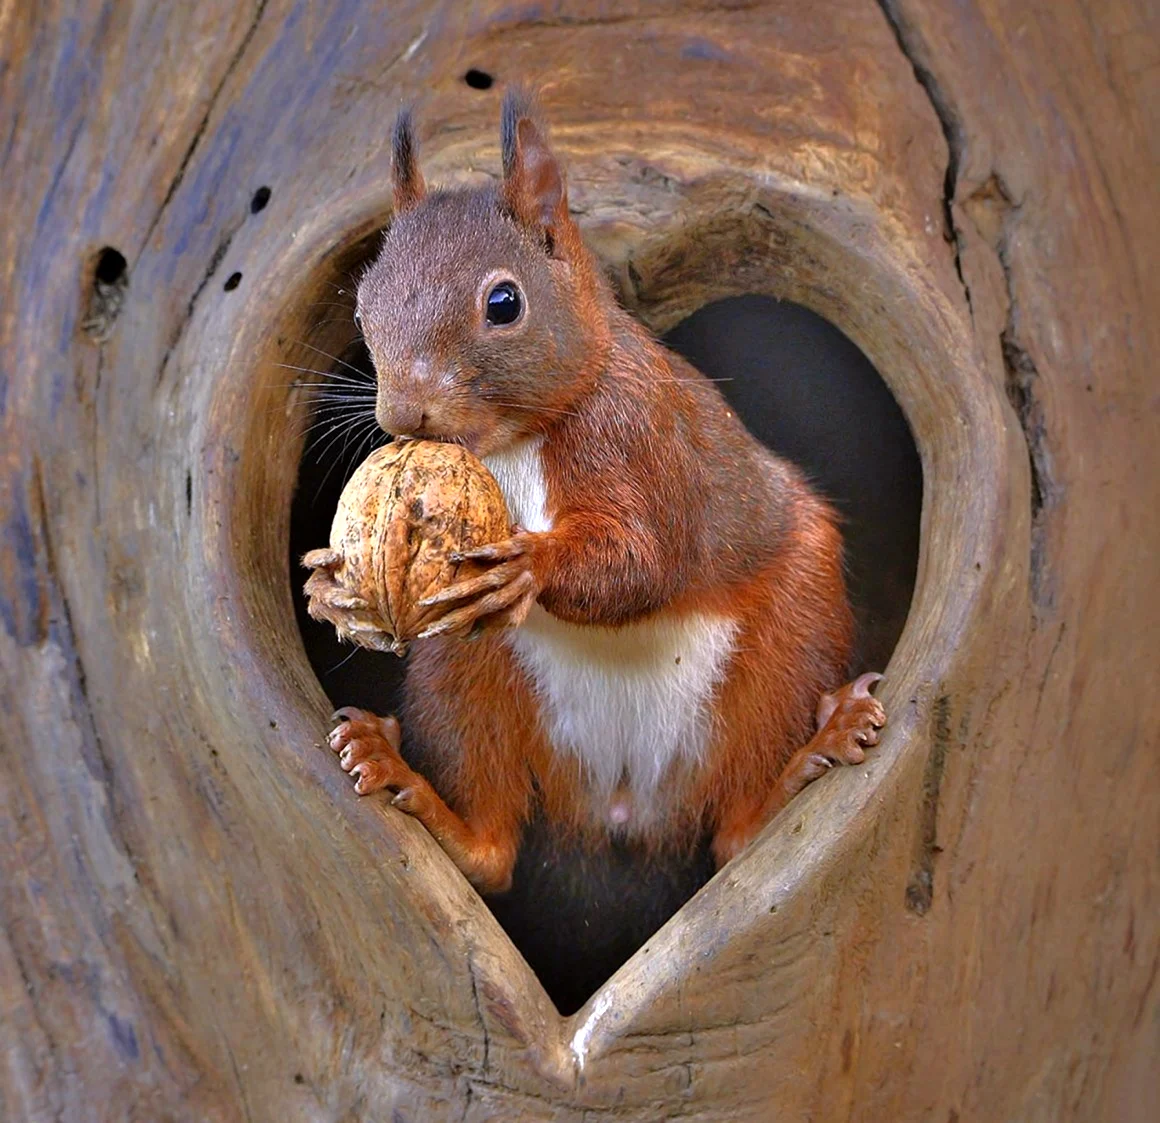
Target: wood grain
(201,921)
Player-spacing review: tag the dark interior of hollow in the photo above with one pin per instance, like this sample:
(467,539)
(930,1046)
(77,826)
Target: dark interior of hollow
(807,392)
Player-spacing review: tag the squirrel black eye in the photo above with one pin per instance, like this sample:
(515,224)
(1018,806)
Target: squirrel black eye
(358,321)
(504,304)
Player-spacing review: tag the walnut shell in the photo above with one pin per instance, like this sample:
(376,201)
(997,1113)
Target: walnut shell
(407,507)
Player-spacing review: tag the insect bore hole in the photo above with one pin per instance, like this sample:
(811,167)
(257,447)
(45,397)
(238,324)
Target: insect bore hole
(479,79)
(111,266)
(260,199)
(107,295)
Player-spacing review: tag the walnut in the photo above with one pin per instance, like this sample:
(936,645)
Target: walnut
(407,508)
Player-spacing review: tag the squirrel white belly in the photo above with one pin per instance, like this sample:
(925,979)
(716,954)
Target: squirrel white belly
(628,703)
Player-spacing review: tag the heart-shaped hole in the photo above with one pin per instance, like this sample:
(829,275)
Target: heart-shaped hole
(801,387)
(408,940)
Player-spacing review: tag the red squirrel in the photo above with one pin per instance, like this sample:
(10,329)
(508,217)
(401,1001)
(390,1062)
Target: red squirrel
(659,648)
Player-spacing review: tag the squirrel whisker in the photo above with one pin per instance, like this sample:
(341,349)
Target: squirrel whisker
(326,354)
(341,394)
(343,661)
(531,409)
(372,428)
(342,430)
(339,418)
(352,387)
(335,320)
(330,376)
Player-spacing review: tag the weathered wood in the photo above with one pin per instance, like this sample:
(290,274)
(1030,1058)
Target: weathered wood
(200,919)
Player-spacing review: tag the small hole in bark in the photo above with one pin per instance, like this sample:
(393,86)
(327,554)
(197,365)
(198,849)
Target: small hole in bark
(107,297)
(479,79)
(111,266)
(260,199)
(188,493)
(232,282)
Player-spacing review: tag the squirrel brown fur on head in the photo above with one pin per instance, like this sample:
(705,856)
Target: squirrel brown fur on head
(444,370)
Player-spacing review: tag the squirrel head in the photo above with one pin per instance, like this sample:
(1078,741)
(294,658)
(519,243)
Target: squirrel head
(485,315)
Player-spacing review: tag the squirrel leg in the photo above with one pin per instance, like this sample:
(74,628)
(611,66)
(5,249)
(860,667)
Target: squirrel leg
(849,720)
(368,748)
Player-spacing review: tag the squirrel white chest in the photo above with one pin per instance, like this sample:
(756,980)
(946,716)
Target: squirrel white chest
(627,703)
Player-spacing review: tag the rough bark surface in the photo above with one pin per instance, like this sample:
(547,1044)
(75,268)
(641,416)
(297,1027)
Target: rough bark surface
(202,922)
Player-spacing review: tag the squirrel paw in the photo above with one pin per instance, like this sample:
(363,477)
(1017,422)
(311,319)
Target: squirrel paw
(500,596)
(848,722)
(368,748)
(328,601)
(321,586)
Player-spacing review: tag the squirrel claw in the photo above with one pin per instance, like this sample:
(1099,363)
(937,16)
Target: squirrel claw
(816,765)
(858,689)
(324,592)
(340,599)
(408,800)
(500,596)
(354,754)
(509,604)
(513,547)
(322,559)
(370,776)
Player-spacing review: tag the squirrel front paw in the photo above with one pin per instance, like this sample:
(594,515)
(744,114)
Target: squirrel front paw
(501,596)
(330,602)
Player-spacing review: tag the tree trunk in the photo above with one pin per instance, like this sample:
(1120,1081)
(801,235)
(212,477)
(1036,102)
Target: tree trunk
(201,921)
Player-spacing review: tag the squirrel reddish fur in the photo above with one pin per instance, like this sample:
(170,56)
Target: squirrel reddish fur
(658,651)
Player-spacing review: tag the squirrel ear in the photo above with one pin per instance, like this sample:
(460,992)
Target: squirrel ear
(533,184)
(405,175)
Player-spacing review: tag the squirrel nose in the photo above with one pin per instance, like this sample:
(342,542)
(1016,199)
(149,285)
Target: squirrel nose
(401,417)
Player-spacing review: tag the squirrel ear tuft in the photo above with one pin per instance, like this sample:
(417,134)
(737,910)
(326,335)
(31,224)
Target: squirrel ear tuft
(405,175)
(533,184)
